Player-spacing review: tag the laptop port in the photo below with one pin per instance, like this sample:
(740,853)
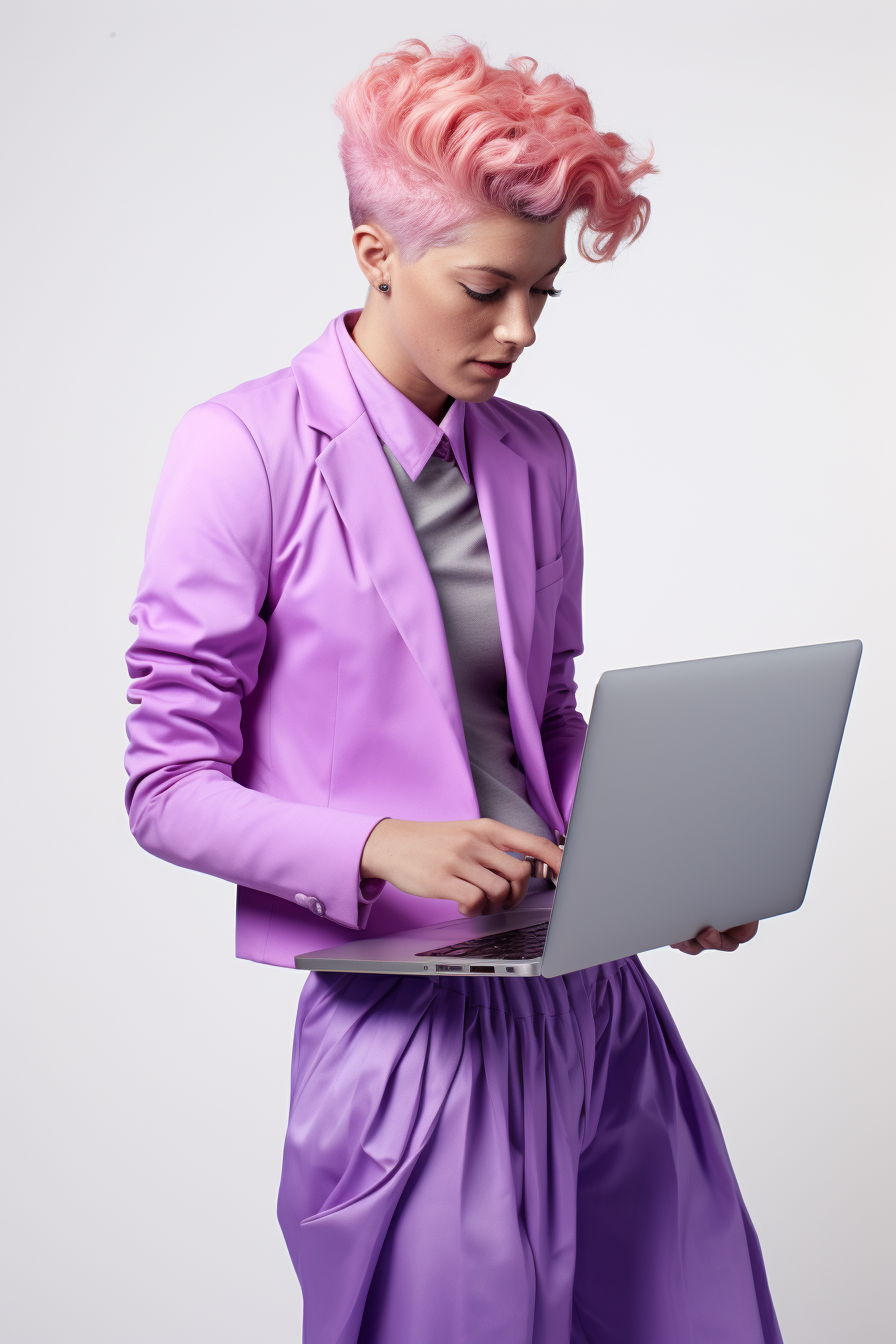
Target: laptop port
(448,968)
(482,970)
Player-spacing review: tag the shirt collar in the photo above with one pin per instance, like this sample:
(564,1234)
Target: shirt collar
(408,431)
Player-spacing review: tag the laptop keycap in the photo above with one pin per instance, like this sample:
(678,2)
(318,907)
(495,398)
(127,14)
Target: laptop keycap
(514,945)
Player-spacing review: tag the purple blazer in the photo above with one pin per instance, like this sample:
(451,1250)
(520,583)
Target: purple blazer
(291,675)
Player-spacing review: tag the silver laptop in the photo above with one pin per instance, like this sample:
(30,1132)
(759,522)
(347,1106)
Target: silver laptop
(699,802)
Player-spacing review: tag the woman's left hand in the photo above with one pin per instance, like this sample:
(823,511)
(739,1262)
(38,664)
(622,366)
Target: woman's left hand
(711,940)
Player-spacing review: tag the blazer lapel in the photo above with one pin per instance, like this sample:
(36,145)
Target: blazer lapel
(369,503)
(501,479)
(367,497)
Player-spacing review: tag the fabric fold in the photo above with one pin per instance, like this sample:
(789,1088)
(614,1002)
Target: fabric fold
(511,1162)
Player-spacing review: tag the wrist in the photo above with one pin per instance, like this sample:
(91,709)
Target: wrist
(371,854)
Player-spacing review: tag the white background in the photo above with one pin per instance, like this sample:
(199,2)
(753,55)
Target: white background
(175,224)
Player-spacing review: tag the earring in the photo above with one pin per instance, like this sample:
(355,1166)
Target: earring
(383,287)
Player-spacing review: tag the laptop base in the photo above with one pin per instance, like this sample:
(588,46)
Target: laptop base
(399,953)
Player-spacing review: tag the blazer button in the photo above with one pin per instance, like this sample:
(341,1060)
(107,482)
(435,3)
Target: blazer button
(310,903)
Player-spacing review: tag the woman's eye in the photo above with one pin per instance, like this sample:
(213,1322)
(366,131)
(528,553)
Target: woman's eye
(495,293)
(477,294)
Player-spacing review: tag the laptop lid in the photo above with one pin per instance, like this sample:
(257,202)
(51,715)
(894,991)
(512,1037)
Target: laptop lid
(700,798)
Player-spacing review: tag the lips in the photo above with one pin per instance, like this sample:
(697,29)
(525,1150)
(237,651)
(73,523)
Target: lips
(495,368)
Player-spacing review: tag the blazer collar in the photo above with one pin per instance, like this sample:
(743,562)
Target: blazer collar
(411,435)
(329,399)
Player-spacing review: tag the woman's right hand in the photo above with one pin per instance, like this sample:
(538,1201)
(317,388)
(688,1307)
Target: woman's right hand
(463,861)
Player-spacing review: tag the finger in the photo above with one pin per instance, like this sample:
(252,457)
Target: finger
(742,933)
(507,837)
(518,890)
(503,863)
(690,946)
(493,886)
(517,872)
(471,899)
(502,879)
(714,941)
(501,876)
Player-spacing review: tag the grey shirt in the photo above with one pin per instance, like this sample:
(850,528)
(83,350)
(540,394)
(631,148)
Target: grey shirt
(445,515)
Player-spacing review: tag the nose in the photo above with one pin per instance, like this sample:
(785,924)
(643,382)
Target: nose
(515,327)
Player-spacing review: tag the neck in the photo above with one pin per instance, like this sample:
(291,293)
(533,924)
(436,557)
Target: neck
(374,337)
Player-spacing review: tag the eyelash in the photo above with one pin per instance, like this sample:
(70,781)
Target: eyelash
(493,294)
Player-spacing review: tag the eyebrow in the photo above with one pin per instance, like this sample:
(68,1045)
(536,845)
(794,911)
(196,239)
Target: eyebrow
(506,275)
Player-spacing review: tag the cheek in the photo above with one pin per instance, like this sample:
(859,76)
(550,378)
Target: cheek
(442,329)
(452,331)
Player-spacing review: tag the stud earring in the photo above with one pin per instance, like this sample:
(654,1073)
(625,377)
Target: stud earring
(383,287)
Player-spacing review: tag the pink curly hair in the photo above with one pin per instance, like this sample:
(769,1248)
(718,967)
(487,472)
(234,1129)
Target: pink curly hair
(433,139)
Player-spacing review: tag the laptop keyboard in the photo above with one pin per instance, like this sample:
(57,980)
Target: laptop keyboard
(514,945)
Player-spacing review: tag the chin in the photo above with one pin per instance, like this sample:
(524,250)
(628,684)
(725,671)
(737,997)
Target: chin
(478,391)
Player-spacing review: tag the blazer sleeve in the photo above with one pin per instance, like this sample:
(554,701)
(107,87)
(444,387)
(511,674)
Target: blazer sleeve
(200,635)
(563,727)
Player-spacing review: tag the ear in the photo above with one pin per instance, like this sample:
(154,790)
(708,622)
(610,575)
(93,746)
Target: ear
(376,252)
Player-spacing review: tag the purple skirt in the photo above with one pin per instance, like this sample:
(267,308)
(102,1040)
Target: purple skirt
(511,1162)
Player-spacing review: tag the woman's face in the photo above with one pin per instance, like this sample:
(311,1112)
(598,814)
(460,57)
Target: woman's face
(454,321)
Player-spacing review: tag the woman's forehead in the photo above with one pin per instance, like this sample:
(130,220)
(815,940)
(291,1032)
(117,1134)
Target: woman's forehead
(506,247)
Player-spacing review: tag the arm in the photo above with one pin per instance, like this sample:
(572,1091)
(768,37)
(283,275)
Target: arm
(563,727)
(200,635)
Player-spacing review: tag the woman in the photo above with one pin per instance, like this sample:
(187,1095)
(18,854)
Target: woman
(355,699)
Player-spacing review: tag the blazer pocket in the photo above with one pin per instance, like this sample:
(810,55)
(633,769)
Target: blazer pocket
(549,574)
